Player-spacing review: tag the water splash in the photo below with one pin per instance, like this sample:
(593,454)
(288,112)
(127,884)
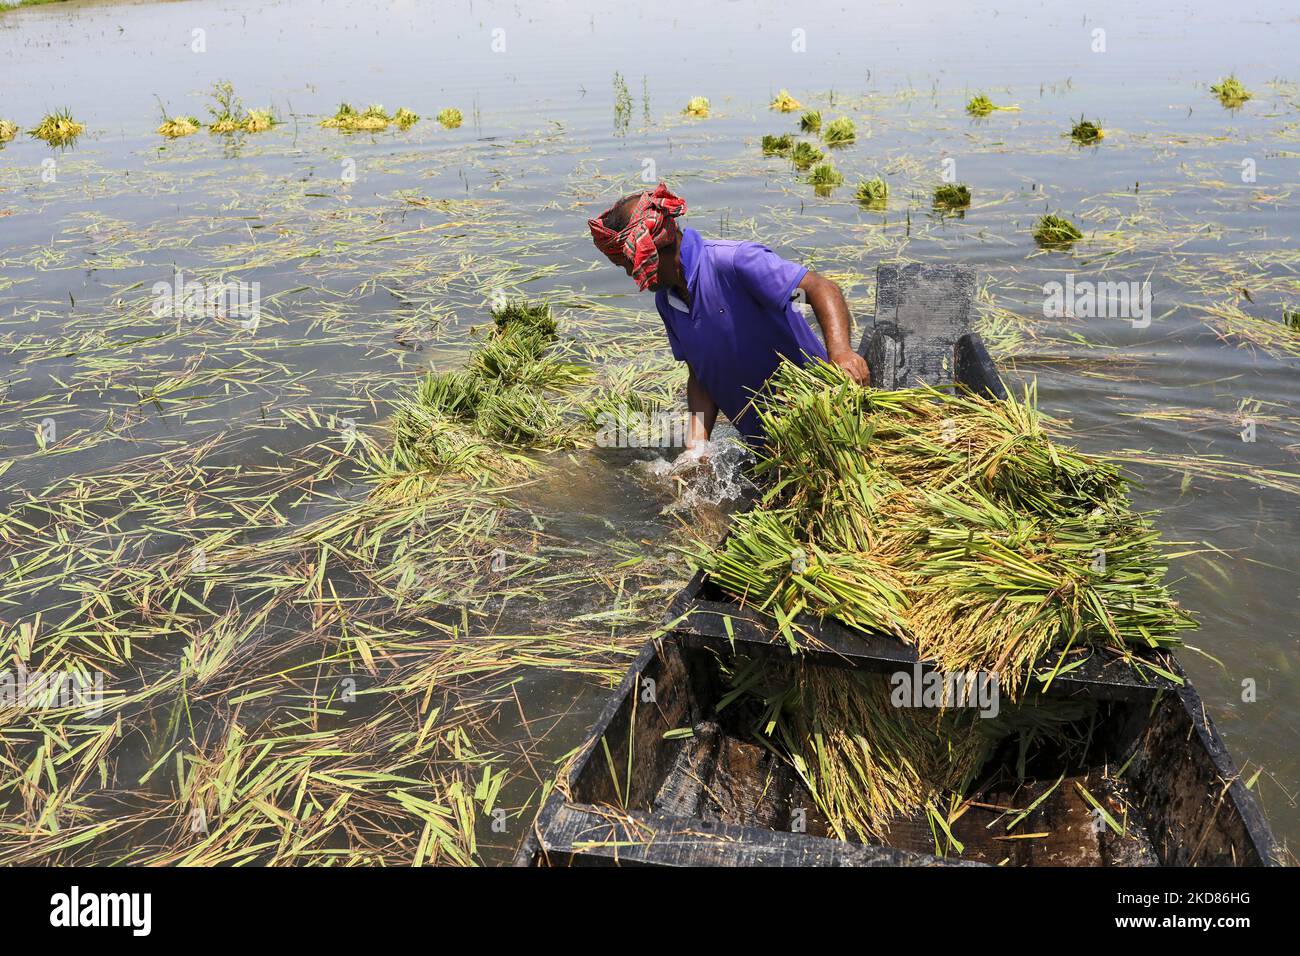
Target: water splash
(711,475)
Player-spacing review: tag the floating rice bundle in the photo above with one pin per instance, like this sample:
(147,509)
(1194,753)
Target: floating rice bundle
(1231,91)
(981,105)
(778,145)
(805,154)
(405,118)
(348,118)
(872,192)
(840,132)
(58,129)
(824,177)
(952,196)
(174,127)
(697,106)
(450,118)
(952,522)
(8,130)
(1086,132)
(1054,230)
(811,122)
(785,102)
(228,113)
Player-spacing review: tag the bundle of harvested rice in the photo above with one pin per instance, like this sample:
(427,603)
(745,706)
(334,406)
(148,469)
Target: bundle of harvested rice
(697,106)
(1053,230)
(778,145)
(951,196)
(867,761)
(811,122)
(8,130)
(952,522)
(805,154)
(58,129)
(872,192)
(471,420)
(450,118)
(174,127)
(1086,132)
(785,102)
(840,132)
(1231,92)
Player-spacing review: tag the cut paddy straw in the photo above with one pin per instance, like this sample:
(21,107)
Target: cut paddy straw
(949,521)
(1231,92)
(785,103)
(867,761)
(58,129)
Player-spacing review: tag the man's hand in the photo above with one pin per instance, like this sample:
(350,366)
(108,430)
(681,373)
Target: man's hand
(854,364)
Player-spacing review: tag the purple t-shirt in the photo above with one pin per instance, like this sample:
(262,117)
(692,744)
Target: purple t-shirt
(741,322)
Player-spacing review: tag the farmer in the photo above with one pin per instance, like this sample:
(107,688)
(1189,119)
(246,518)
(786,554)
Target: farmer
(728,308)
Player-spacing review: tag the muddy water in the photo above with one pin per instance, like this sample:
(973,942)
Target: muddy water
(1197,200)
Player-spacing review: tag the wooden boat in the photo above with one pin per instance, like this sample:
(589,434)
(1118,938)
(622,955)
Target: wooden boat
(666,779)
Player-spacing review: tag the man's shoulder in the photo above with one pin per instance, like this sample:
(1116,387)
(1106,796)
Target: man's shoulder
(728,253)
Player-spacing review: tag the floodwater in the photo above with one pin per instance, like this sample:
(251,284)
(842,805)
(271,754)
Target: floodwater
(375,254)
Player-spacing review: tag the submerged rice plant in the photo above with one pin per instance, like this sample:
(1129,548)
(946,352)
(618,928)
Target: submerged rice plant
(952,196)
(811,122)
(1086,132)
(450,118)
(952,522)
(697,106)
(840,132)
(784,102)
(872,192)
(805,154)
(8,130)
(1053,230)
(1231,91)
(778,145)
(58,128)
(175,127)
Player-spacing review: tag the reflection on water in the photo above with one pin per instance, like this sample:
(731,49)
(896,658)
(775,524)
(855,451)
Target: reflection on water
(377,254)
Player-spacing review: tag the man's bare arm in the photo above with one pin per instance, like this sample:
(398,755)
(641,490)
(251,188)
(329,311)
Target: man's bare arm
(832,313)
(704,413)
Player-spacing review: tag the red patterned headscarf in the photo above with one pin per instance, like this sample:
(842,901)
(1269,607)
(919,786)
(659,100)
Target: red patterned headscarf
(649,228)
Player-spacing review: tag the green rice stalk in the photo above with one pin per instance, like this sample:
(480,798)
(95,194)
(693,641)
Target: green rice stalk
(805,154)
(1053,230)
(811,122)
(839,132)
(872,192)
